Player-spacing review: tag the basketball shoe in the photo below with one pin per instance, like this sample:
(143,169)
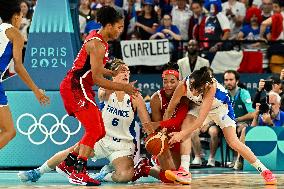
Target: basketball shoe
(31,175)
(64,169)
(269,178)
(180,176)
(103,172)
(141,169)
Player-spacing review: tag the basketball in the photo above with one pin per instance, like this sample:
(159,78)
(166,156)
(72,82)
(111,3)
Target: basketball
(156,143)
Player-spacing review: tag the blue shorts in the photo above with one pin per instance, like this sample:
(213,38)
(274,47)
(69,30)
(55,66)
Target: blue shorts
(3,97)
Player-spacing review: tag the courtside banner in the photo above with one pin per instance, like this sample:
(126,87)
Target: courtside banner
(51,46)
(145,52)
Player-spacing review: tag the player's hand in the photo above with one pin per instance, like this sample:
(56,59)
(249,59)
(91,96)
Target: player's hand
(130,89)
(150,127)
(176,137)
(41,97)
(121,68)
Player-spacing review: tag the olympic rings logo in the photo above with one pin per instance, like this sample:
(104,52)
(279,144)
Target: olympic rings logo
(44,130)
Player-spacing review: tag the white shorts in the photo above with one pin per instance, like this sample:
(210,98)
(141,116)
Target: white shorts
(219,115)
(111,149)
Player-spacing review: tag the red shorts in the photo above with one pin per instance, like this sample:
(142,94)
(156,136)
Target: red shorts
(78,99)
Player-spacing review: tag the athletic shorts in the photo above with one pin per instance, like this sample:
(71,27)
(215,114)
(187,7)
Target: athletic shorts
(75,100)
(222,116)
(111,148)
(3,97)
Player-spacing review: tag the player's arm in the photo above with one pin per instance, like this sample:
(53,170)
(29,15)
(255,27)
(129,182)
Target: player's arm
(179,92)
(140,106)
(204,110)
(103,94)
(18,43)
(155,104)
(181,113)
(96,51)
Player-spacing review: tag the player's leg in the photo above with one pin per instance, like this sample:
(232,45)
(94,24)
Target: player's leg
(214,140)
(242,132)
(94,131)
(7,130)
(246,153)
(196,145)
(123,170)
(49,165)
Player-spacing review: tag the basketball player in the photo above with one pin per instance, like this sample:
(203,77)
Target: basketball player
(212,104)
(118,113)
(159,103)
(76,88)
(11,46)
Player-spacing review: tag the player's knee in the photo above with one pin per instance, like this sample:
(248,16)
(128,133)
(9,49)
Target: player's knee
(11,132)
(213,132)
(233,144)
(124,175)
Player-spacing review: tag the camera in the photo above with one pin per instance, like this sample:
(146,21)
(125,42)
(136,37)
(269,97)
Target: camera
(264,108)
(268,85)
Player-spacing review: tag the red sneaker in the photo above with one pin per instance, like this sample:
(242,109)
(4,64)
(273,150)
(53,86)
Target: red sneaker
(269,177)
(64,170)
(180,176)
(83,179)
(140,169)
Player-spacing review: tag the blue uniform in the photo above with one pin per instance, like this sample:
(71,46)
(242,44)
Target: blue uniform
(6,54)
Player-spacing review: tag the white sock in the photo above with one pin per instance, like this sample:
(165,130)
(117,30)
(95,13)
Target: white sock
(44,168)
(108,177)
(259,166)
(185,160)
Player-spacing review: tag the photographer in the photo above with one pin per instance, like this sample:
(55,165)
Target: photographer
(265,86)
(269,113)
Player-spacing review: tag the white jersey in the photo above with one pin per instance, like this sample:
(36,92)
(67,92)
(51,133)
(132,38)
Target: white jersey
(221,95)
(6,49)
(119,118)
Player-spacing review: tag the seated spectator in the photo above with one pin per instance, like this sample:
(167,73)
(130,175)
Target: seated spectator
(167,30)
(193,61)
(235,12)
(265,86)
(242,105)
(251,31)
(266,8)
(269,113)
(146,23)
(213,130)
(27,18)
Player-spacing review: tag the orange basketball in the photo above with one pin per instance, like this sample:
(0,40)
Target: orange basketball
(156,143)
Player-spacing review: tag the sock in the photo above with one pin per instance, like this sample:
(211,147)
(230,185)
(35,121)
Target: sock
(44,168)
(108,177)
(71,159)
(163,178)
(146,170)
(81,164)
(185,159)
(259,166)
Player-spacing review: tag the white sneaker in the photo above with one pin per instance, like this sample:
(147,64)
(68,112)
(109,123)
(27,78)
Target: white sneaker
(238,166)
(211,162)
(101,175)
(197,161)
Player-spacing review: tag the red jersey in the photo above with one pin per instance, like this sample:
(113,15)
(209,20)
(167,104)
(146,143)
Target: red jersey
(76,88)
(174,123)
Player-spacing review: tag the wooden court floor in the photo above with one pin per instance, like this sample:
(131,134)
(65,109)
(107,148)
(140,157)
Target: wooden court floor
(208,180)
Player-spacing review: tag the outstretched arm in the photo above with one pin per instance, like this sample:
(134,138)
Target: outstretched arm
(179,92)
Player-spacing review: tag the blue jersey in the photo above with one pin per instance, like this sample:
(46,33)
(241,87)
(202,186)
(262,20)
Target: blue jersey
(6,54)
(6,49)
